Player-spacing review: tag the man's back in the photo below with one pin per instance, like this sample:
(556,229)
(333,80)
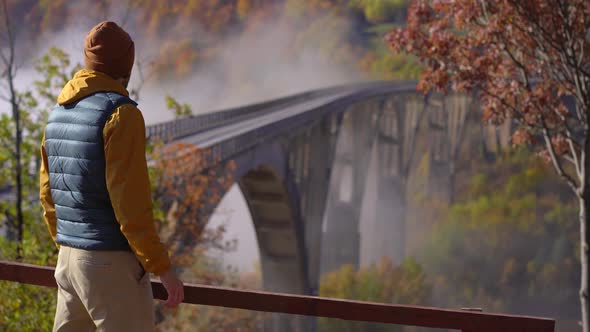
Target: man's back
(95,192)
(75,151)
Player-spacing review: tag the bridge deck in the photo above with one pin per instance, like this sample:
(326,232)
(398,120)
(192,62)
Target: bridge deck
(234,130)
(228,131)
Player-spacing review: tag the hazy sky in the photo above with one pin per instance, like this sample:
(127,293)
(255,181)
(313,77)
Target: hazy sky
(253,67)
(233,212)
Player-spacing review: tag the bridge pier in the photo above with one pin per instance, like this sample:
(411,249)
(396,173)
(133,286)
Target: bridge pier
(276,221)
(398,124)
(321,155)
(310,154)
(390,219)
(320,146)
(341,236)
(447,120)
(342,239)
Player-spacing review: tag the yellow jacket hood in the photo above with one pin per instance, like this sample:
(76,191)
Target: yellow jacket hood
(87,82)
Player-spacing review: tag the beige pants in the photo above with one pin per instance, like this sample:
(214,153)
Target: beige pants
(104,290)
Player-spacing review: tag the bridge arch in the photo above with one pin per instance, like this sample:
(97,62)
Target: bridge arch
(263,178)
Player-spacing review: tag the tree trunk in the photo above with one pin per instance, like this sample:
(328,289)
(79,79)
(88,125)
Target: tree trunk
(19,186)
(452,178)
(584,250)
(10,70)
(18,163)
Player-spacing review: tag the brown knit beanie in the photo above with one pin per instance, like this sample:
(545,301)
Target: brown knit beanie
(110,50)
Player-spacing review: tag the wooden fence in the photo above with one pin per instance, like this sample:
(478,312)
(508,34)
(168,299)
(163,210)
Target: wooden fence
(462,320)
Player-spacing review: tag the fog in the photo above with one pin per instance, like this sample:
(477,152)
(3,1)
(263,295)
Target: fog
(260,64)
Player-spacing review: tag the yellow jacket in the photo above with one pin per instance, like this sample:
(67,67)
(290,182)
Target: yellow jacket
(124,149)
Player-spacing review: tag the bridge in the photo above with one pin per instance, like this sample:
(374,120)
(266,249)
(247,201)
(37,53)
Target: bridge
(305,158)
(286,153)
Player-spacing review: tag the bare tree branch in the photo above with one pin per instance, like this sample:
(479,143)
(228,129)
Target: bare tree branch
(4,61)
(143,78)
(9,32)
(564,52)
(555,160)
(10,72)
(520,66)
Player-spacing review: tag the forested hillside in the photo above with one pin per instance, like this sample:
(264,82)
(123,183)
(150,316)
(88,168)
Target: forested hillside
(218,54)
(346,31)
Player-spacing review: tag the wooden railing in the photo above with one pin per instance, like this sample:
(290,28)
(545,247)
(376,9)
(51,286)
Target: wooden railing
(466,321)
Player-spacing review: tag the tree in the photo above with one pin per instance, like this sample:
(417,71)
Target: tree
(25,307)
(21,130)
(482,251)
(382,282)
(14,147)
(529,61)
(379,11)
(208,270)
(187,184)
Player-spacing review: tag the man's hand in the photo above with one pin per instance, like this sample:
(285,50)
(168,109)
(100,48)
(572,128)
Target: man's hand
(174,287)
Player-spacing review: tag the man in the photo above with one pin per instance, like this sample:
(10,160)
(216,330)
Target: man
(95,193)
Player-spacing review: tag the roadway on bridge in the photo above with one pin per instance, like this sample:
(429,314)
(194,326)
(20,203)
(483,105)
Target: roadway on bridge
(291,108)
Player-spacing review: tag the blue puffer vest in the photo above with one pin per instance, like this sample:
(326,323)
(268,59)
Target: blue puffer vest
(75,150)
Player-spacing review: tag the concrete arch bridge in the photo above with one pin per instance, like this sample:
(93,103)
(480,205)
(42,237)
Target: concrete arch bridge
(302,161)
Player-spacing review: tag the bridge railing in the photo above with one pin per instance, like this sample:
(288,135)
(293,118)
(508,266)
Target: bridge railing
(466,321)
(175,129)
(186,126)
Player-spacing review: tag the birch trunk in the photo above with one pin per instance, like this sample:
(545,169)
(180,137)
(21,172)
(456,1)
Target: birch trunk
(585,280)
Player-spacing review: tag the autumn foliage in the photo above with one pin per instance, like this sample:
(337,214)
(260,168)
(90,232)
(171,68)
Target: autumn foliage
(188,183)
(189,35)
(524,56)
(382,282)
(529,62)
(509,244)
(187,186)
